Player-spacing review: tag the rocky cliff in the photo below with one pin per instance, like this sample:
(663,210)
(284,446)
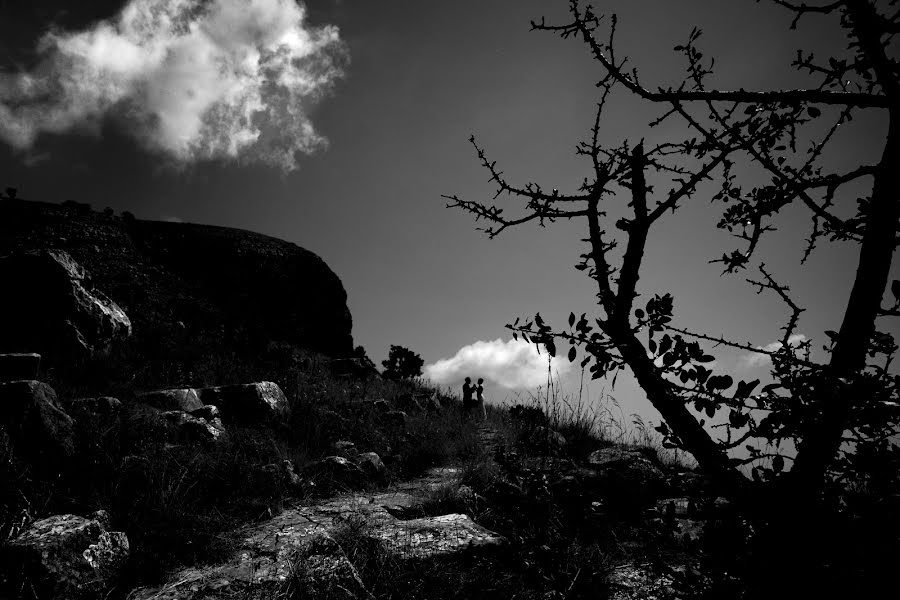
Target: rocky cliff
(183,282)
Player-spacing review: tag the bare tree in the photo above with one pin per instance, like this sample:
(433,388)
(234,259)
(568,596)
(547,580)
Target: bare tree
(837,412)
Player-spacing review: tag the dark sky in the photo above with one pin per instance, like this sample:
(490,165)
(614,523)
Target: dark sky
(416,78)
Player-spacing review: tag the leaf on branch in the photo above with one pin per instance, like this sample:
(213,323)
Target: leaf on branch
(571,319)
(572,354)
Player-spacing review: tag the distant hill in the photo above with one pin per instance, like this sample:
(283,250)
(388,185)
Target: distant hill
(181,281)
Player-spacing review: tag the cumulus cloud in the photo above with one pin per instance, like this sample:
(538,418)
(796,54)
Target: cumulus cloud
(193,79)
(756,359)
(514,364)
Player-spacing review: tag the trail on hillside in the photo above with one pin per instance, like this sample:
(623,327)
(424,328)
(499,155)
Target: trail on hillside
(269,554)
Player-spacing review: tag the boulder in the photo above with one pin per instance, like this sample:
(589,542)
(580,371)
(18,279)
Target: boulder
(371,465)
(345,448)
(629,475)
(279,476)
(66,557)
(251,402)
(547,439)
(433,537)
(186,429)
(50,305)
(19,366)
(336,471)
(184,399)
(103,406)
(40,430)
(207,412)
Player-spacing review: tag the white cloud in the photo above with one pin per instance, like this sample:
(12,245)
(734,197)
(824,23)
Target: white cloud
(756,359)
(512,364)
(193,79)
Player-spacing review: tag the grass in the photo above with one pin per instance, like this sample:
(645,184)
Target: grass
(178,504)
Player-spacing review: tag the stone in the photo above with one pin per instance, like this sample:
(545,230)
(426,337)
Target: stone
(547,439)
(67,557)
(345,448)
(372,465)
(629,474)
(105,406)
(183,399)
(39,429)
(19,366)
(296,562)
(336,471)
(676,507)
(51,305)
(431,537)
(635,582)
(207,412)
(251,402)
(186,429)
(279,476)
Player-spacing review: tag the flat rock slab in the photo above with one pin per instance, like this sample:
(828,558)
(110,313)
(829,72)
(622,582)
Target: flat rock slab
(295,551)
(636,582)
(434,536)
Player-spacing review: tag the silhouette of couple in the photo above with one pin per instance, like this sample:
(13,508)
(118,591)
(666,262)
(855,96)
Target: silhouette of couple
(473,405)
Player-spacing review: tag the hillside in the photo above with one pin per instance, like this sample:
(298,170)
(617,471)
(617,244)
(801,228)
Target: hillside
(177,281)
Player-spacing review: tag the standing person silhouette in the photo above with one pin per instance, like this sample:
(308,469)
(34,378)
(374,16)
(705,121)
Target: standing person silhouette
(468,390)
(479,400)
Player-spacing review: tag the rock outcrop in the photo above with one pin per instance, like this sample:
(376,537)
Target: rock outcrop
(227,287)
(186,399)
(51,305)
(296,550)
(66,557)
(248,403)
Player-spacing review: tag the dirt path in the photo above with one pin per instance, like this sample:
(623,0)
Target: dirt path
(269,554)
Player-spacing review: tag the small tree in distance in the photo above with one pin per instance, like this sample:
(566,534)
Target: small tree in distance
(842,415)
(402,363)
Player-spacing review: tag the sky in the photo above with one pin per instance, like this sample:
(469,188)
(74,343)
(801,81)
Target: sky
(339,124)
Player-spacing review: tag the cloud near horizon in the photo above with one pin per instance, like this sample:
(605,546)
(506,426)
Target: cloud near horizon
(514,364)
(192,79)
(756,359)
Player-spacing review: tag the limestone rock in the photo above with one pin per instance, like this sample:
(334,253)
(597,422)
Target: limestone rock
(297,562)
(345,448)
(279,476)
(51,305)
(207,412)
(251,402)
(371,465)
(547,439)
(103,406)
(19,366)
(40,430)
(185,399)
(434,536)
(187,429)
(66,557)
(336,471)
(631,478)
